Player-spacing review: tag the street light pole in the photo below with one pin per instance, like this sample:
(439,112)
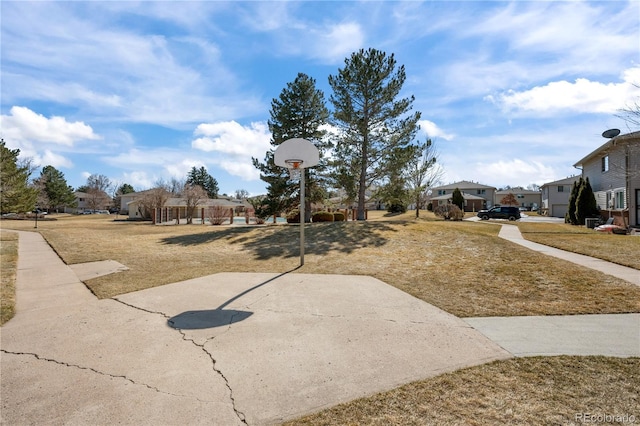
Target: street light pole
(302,217)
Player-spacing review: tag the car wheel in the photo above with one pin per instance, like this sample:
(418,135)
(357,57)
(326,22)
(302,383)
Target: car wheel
(512,218)
(484,217)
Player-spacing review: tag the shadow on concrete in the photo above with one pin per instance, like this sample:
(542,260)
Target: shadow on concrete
(283,241)
(210,318)
(219,317)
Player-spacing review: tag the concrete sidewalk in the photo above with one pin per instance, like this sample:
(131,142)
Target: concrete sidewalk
(512,233)
(608,335)
(223,349)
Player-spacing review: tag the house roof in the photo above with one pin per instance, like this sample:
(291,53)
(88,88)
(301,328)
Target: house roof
(464,195)
(181,202)
(517,191)
(464,184)
(564,181)
(633,137)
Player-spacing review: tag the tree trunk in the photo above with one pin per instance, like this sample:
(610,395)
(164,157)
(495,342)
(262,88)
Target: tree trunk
(363,180)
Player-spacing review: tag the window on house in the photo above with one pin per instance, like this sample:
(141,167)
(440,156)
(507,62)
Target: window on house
(482,191)
(619,197)
(441,191)
(605,163)
(519,196)
(560,188)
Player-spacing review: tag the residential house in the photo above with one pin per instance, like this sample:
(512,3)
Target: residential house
(472,203)
(177,208)
(555,196)
(86,202)
(613,170)
(476,195)
(530,200)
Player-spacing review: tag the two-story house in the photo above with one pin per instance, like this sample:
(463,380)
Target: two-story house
(529,199)
(555,196)
(476,195)
(613,170)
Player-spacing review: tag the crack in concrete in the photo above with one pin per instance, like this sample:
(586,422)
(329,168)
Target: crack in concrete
(241,416)
(141,309)
(115,376)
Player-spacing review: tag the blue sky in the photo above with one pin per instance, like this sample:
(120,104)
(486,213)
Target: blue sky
(512,93)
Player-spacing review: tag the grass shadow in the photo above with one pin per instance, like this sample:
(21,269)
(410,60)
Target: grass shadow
(283,241)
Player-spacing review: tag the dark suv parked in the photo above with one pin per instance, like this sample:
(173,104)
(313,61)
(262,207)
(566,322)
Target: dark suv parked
(511,213)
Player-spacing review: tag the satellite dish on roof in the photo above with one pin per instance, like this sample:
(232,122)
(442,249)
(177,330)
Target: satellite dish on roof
(611,133)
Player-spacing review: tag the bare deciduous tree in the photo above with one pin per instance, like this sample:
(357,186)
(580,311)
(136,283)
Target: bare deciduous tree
(153,199)
(217,214)
(193,195)
(97,188)
(423,172)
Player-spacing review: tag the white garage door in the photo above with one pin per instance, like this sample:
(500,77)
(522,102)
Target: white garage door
(559,210)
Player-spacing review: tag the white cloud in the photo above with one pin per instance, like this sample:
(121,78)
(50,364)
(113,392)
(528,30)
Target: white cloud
(181,169)
(234,140)
(432,130)
(583,96)
(52,159)
(24,125)
(139,180)
(520,172)
(338,41)
(234,145)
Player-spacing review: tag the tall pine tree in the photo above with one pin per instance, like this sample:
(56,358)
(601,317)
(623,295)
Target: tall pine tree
(457,199)
(374,123)
(56,190)
(586,205)
(570,216)
(299,112)
(203,179)
(15,194)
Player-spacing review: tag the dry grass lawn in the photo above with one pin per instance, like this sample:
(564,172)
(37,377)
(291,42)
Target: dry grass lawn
(621,249)
(461,267)
(520,391)
(8,267)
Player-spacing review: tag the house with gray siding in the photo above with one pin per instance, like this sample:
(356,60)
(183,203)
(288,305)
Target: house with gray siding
(555,196)
(613,170)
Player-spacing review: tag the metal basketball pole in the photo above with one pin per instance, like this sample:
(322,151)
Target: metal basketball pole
(302,217)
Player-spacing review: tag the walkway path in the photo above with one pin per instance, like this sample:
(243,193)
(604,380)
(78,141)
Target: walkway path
(512,233)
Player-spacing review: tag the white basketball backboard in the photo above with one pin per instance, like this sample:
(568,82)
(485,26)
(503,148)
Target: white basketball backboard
(296,149)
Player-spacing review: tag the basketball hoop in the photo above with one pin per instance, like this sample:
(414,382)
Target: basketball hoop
(295,169)
(291,154)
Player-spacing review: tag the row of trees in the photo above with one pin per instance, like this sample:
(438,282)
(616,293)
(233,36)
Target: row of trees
(50,191)
(372,142)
